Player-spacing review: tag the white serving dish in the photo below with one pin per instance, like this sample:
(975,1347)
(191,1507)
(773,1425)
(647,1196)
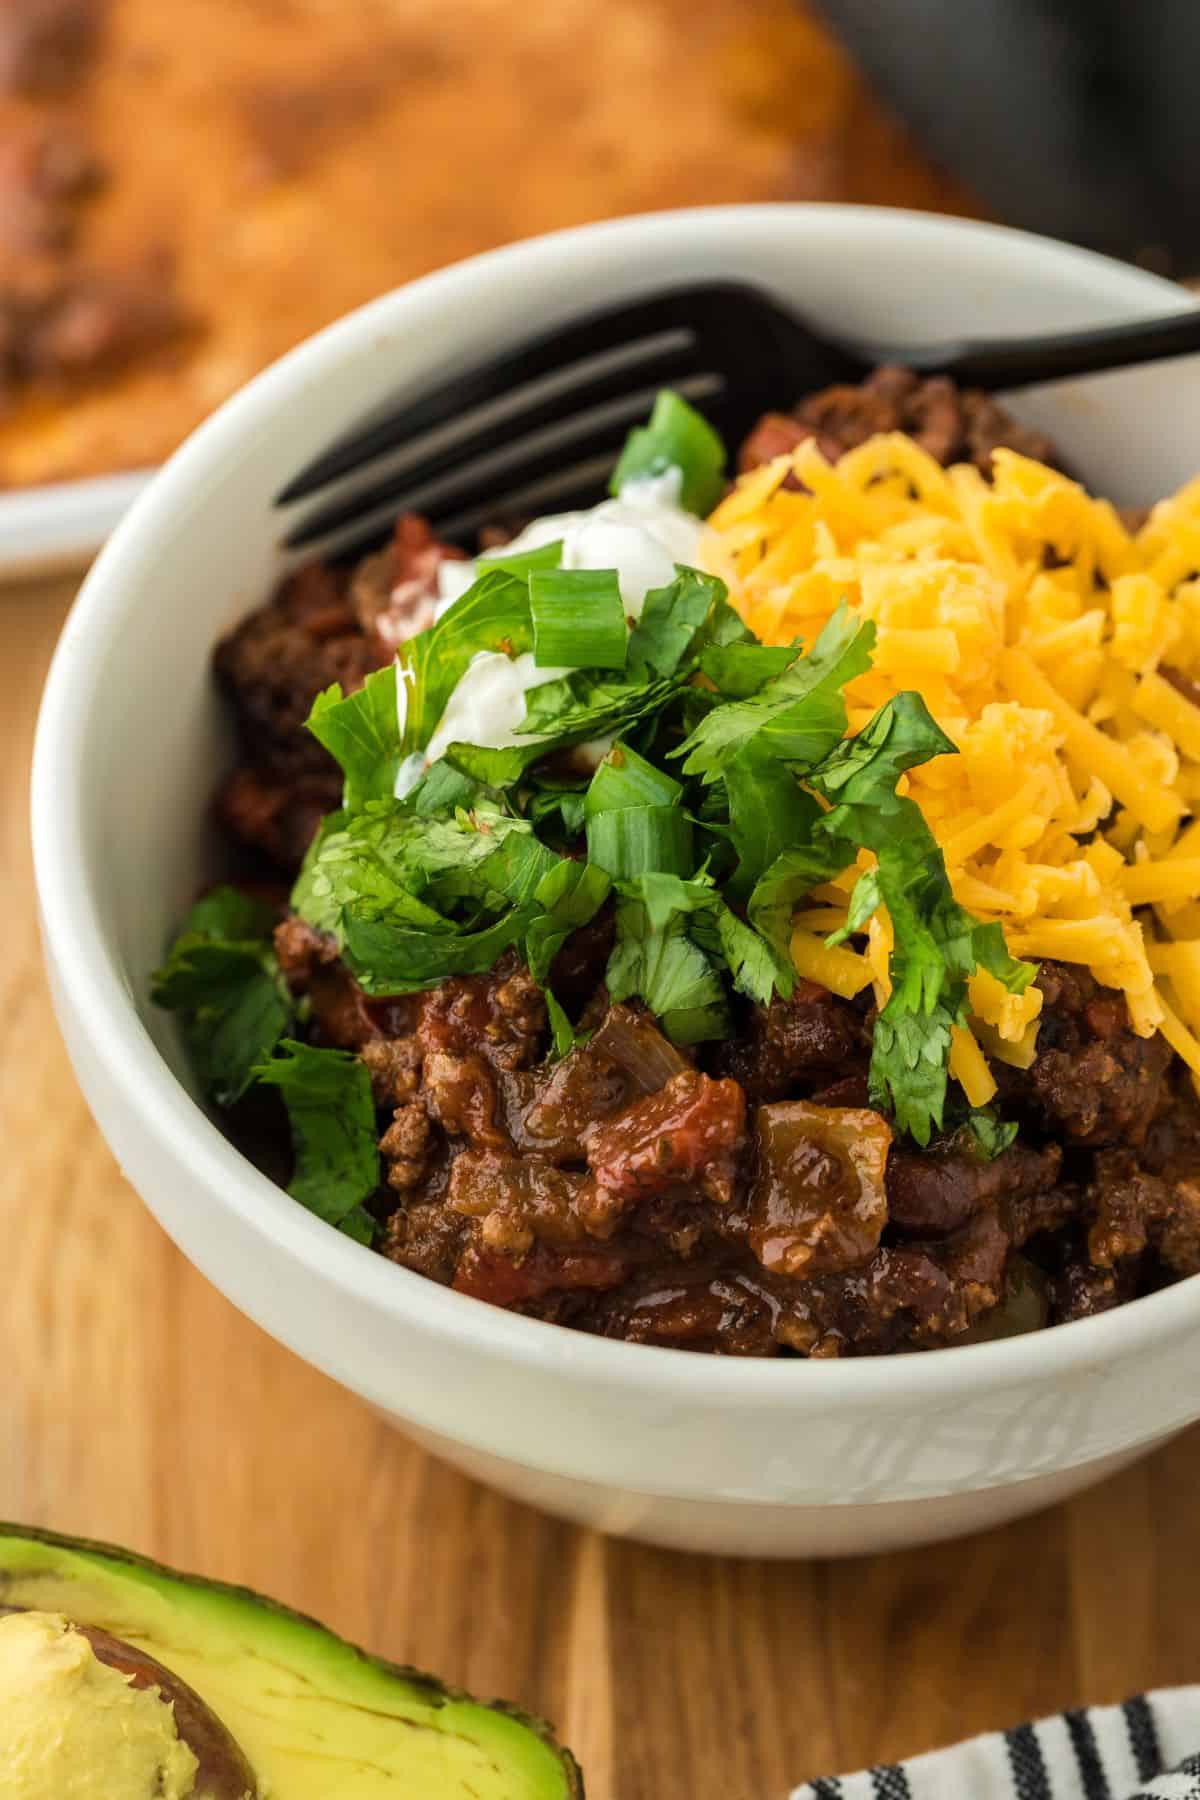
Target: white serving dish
(765,1458)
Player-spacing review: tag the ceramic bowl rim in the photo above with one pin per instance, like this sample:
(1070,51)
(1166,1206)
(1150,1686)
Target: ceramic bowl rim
(103,1008)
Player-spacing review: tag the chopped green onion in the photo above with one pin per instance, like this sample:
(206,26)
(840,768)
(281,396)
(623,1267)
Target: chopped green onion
(522,562)
(641,840)
(676,438)
(578,619)
(626,779)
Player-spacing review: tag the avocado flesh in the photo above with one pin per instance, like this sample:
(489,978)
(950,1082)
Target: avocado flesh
(313,1715)
(222,1772)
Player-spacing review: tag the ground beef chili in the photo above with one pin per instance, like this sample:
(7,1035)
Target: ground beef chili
(741,1200)
(953,424)
(323,625)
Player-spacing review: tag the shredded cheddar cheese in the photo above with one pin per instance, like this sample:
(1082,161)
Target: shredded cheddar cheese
(1061,654)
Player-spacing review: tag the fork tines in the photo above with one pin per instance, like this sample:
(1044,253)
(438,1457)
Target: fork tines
(544,422)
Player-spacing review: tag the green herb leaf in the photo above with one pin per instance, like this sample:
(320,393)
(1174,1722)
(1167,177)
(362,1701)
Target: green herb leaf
(361,731)
(570,896)
(583,708)
(313,896)
(724,624)
(677,437)
(989,951)
(388,862)
(757,969)
(327,1094)
(517,868)
(558,802)
(910,1052)
(674,618)
(227,1036)
(493,614)
(793,875)
(559,714)
(991,1133)
(769,814)
(798,716)
(738,671)
(937,943)
(863,770)
(227,912)
(660,905)
(444,788)
(562,1031)
(388,959)
(670,972)
(664,895)
(865,901)
(228,990)
(483,766)
(578,619)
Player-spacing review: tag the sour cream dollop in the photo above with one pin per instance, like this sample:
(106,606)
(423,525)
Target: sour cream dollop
(490,698)
(642,534)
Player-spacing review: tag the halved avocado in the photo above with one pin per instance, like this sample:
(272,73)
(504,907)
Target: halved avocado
(309,1715)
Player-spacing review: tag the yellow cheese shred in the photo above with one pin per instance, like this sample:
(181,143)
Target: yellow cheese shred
(969,1067)
(839,970)
(1061,654)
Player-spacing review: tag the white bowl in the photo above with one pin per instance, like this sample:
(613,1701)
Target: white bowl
(769,1458)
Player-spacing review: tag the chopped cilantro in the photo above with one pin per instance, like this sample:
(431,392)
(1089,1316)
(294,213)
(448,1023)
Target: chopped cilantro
(387,958)
(991,1133)
(672,618)
(797,716)
(327,1094)
(768,813)
(731,791)
(661,921)
(222,978)
(937,943)
(668,970)
(361,731)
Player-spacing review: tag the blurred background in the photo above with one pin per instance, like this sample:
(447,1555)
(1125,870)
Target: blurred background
(187,187)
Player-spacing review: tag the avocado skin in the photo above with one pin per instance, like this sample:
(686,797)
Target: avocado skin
(427,1688)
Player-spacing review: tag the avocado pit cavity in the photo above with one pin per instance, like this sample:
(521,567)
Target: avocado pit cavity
(74,1700)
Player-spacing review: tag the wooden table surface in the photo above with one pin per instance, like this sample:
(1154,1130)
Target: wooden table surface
(137,1405)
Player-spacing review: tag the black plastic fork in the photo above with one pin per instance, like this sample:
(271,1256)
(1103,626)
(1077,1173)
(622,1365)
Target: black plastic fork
(543,424)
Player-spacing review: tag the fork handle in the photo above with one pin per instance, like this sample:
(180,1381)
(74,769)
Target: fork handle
(1021,362)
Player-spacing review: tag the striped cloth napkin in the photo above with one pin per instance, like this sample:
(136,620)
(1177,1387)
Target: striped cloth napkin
(1147,1749)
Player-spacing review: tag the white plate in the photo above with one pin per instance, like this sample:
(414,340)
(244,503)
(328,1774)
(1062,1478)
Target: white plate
(53,530)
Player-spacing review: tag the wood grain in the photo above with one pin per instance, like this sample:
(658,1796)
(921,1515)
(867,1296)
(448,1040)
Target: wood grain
(135,1404)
